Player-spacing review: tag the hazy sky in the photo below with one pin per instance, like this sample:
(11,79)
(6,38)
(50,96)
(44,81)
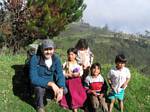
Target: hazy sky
(131,16)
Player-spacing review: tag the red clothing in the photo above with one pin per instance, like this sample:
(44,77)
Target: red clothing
(96,86)
(95,83)
(76,95)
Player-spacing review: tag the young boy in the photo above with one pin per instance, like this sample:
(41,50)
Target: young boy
(96,88)
(118,79)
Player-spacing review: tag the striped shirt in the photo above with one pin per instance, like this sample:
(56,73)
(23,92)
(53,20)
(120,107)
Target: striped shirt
(94,83)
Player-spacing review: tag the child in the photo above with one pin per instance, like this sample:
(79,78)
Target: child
(84,56)
(118,79)
(96,88)
(76,95)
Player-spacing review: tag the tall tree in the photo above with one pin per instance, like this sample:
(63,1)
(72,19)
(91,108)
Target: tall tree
(49,17)
(14,23)
(29,20)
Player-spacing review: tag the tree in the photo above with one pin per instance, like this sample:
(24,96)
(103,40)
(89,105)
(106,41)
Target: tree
(29,20)
(147,33)
(14,23)
(49,17)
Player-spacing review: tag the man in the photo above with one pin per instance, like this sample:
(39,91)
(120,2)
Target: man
(46,74)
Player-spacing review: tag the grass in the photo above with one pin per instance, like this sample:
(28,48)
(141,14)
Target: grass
(13,89)
(8,101)
(137,94)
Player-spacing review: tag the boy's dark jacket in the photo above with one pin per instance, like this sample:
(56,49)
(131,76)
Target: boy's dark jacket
(40,75)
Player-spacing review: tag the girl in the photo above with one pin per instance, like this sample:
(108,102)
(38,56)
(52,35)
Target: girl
(96,88)
(84,56)
(76,95)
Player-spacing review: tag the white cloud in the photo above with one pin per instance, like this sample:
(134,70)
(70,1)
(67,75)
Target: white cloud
(125,15)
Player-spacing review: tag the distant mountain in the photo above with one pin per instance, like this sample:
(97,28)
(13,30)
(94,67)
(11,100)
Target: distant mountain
(106,44)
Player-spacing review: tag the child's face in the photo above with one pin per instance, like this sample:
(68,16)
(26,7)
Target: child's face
(71,56)
(120,65)
(95,71)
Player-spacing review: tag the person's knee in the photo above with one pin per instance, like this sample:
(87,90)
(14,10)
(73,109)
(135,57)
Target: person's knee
(120,102)
(112,101)
(95,104)
(102,99)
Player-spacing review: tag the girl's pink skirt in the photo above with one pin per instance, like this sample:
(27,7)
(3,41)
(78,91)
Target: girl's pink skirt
(76,95)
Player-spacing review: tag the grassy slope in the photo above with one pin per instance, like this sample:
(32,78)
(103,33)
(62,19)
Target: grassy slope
(137,94)
(9,102)
(12,89)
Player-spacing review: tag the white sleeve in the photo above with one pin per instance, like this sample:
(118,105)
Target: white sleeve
(128,74)
(78,58)
(87,82)
(64,65)
(64,68)
(91,57)
(109,74)
(81,70)
(102,79)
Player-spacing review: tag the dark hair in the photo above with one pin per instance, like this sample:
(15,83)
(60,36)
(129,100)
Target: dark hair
(82,43)
(94,65)
(120,58)
(74,50)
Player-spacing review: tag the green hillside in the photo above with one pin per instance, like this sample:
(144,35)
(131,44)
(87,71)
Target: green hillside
(14,97)
(105,44)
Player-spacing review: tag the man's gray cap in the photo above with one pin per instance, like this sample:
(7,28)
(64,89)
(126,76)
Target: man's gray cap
(47,43)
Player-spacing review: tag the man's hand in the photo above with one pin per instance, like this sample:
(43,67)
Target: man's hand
(54,87)
(58,92)
(59,95)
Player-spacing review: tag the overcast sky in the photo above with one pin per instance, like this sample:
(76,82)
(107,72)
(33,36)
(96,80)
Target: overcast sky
(132,16)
